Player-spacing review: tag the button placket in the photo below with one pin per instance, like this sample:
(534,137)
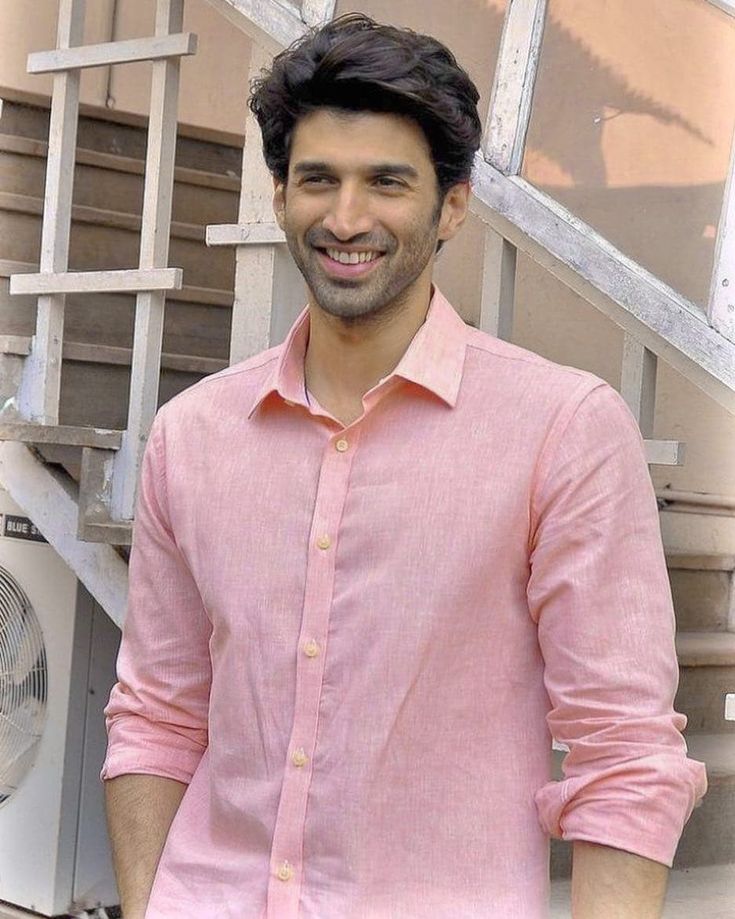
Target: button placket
(287,845)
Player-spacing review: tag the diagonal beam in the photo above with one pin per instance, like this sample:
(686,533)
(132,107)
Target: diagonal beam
(727,6)
(657,316)
(317,12)
(269,24)
(46,500)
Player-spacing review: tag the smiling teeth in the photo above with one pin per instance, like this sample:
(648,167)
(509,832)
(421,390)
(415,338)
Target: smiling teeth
(351,258)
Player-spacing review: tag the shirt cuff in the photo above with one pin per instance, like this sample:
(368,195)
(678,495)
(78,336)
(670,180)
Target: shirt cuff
(640,806)
(137,746)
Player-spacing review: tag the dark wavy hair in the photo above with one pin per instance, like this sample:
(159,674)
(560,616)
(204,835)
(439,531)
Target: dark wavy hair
(356,64)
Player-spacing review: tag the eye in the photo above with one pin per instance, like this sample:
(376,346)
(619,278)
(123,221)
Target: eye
(316,180)
(388,182)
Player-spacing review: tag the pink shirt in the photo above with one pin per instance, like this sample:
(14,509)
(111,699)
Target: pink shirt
(356,643)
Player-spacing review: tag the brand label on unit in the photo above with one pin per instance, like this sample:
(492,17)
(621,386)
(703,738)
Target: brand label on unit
(21,528)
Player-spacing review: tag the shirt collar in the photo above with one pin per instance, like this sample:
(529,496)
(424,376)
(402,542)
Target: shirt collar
(434,359)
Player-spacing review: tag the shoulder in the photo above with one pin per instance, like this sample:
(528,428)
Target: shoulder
(517,373)
(237,385)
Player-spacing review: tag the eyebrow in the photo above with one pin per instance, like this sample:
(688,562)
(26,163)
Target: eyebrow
(397,169)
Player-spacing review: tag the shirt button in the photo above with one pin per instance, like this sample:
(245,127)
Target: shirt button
(298,757)
(311,648)
(342,445)
(285,871)
(324,542)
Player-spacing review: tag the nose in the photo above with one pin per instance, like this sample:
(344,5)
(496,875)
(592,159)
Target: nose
(348,214)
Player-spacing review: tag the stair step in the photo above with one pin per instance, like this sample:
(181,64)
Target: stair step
(708,838)
(67,435)
(706,649)
(115,182)
(103,239)
(707,893)
(706,676)
(702,589)
(123,134)
(196,319)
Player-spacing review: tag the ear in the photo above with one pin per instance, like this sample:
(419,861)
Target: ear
(279,201)
(454,210)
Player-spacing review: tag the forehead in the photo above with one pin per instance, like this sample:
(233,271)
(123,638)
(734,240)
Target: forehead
(358,139)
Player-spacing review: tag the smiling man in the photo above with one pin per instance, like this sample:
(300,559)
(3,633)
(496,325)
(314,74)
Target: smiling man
(377,567)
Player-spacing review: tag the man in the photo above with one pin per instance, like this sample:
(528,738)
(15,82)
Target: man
(377,567)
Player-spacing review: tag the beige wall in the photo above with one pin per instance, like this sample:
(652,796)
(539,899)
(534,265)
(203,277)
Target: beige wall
(213,81)
(631,129)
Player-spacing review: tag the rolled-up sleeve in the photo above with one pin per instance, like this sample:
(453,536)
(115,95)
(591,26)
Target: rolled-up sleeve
(156,717)
(599,593)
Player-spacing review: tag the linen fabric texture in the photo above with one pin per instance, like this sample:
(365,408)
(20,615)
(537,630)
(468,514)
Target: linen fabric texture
(355,644)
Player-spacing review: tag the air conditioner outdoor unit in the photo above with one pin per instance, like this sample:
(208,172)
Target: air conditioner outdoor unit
(57,657)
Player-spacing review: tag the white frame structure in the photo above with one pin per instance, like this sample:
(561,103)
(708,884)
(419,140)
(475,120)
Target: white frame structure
(656,320)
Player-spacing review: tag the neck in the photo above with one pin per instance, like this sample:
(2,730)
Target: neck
(346,358)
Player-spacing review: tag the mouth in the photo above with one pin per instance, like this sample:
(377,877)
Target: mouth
(342,264)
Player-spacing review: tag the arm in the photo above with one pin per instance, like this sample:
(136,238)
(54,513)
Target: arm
(599,593)
(157,714)
(608,883)
(140,809)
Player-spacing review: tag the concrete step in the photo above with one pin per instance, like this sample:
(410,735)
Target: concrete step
(702,589)
(116,182)
(107,239)
(708,837)
(126,135)
(706,675)
(692,893)
(196,322)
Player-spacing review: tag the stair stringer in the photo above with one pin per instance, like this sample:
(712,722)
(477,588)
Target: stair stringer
(41,494)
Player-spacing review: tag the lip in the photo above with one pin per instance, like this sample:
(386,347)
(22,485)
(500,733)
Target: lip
(338,270)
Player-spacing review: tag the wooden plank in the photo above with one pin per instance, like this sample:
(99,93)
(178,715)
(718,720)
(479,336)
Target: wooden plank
(82,213)
(110,532)
(86,353)
(67,435)
(638,382)
(113,52)
(87,282)
(154,248)
(664,452)
(38,396)
(721,301)
(183,175)
(9,267)
(727,6)
(317,12)
(54,511)
(515,77)
(253,234)
(254,267)
(15,344)
(271,25)
(205,296)
(657,316)
(95,487)
(497,293)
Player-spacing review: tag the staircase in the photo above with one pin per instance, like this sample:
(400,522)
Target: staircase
(84,447)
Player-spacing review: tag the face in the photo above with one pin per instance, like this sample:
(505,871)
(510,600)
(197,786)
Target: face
(361,211)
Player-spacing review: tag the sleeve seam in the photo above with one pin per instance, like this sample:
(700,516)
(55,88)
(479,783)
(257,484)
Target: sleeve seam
(554,435)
